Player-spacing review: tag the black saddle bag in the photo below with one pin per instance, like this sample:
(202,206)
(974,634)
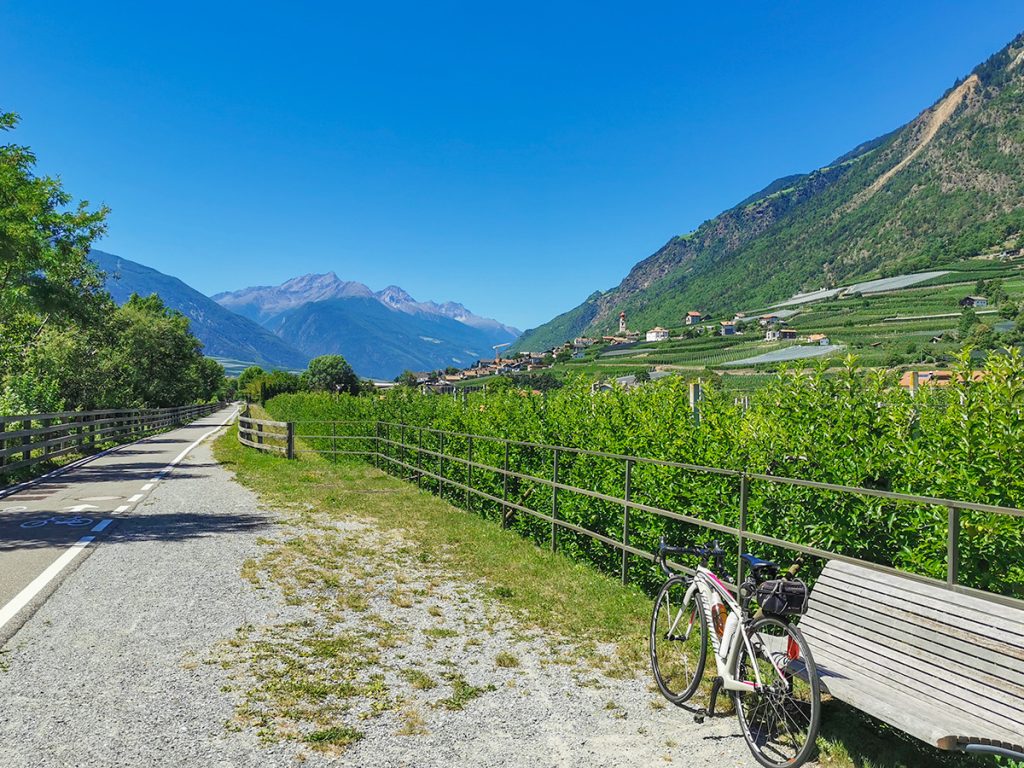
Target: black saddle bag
(783,597)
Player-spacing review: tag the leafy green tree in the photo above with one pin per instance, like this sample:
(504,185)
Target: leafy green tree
(968,319)
(406,378)
(248,375)
(155,362)
(331,373)
(47,283)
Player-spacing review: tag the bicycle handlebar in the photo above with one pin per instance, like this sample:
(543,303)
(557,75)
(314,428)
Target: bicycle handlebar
(713,551)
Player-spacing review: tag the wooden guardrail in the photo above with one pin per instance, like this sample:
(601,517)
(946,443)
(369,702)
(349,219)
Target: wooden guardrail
(267,436)
(29,439)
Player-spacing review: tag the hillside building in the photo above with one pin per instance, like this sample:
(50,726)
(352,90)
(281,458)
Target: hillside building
(694,318)
(657,334)
(787,333)
(977,302)
(818,338)
(622,322)
(773,334)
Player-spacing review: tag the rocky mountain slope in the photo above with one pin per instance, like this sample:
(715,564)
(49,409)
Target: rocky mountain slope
(947,185)
(223,333)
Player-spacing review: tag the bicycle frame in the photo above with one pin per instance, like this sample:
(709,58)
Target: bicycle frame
(708,584)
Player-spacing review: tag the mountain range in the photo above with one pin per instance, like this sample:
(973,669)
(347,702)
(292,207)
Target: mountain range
(947,185)
(224,334)
(380,333)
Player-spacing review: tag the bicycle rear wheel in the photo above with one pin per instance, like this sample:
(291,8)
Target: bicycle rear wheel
(779,719)
(678,640)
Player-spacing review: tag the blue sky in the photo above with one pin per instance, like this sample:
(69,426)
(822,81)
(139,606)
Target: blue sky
(514,157)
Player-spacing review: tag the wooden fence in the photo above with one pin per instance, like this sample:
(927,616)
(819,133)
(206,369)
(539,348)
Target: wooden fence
(29,439)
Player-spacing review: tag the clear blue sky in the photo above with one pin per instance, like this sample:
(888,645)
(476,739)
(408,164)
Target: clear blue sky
(514,157)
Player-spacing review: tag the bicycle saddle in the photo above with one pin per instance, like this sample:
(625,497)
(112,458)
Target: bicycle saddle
(756,563)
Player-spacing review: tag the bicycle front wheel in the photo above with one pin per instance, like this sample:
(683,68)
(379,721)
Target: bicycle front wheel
(678,640)
(781,714)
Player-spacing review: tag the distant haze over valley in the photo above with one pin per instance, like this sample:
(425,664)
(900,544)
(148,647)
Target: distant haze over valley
(381,333)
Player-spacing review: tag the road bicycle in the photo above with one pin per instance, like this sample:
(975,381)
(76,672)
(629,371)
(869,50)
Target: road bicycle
(75,522)
(761,659)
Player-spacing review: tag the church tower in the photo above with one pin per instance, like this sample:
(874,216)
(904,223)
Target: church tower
(622,322)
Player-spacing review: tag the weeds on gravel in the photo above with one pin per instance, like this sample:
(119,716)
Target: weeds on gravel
(462,692)
(604,621)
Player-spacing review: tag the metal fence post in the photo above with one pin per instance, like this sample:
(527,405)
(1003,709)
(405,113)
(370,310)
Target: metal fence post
(376,440)
(626,496)
(504,491)
(554,502)
(469,470)
(953,546)
(402,455)
(334,441)
(744,493)
(440,465)
(290,433)
(419,457)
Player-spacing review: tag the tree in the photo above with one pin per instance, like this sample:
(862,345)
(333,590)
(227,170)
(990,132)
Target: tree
(968,319)
(47,284)
(155,361)
(406,378)
(247,376)
(331,373)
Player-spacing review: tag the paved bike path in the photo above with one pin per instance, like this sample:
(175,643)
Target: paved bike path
(47,527)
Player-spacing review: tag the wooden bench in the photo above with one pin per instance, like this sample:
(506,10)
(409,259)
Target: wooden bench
(945,667)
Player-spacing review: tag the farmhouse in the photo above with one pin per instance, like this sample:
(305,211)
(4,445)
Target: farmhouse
(787,333)
(693,318)
(974,301)
(657,334)
(818,338)
(773,334)
(913,379)
(768,320)
(728,328)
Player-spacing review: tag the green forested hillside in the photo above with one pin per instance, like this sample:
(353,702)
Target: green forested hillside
(948,185)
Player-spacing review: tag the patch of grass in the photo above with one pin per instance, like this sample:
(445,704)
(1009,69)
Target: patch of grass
(419,679)
(413,723)
(506,660)
(462,692)
(440,632)
(338,736)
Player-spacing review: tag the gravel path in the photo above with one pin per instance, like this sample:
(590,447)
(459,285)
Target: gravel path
(147,654)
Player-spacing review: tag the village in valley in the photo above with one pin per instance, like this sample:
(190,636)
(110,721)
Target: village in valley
(913,323)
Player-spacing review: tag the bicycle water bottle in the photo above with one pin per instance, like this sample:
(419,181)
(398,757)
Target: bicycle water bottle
(718,615)
(730,629)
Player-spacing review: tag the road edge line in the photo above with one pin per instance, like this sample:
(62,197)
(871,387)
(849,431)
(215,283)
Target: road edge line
(39,583)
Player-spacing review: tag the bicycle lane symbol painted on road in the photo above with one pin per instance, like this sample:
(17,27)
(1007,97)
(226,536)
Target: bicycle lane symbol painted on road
(75,522)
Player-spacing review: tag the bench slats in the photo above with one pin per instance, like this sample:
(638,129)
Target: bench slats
(952,655)
(883,665)
(943,613)
(945,667)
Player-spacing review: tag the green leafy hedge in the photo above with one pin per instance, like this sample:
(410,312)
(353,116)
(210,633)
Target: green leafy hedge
(854,427)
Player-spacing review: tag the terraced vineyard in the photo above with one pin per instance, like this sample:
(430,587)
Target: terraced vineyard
(918,325)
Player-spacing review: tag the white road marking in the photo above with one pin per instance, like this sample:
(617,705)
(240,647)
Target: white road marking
(147,486)
(37,585)
(135,498)
(101,525)
(81,507)
(24,597)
